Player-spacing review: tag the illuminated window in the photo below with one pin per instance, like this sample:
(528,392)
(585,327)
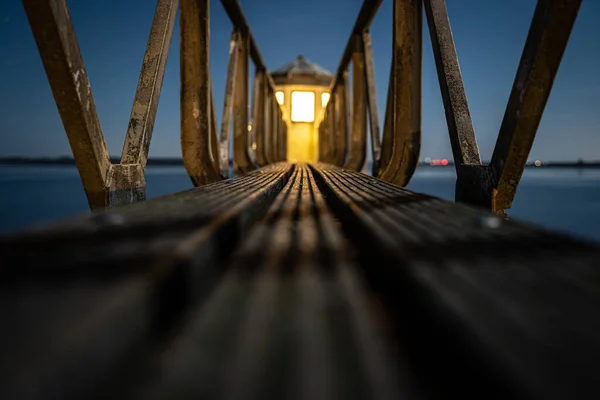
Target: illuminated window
(279,97)
(324,99)
(303,106)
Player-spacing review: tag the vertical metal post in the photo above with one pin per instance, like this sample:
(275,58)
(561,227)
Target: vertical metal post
(331,129)
(275,132)
(547,39)
(282,137)
(242,161)
(214,136)
(320,140)
(387,140)
(195,91)
(258,116)
(268,148)
(341,121)
(406,90)
(323,133)
(232,70)
(272,143)
(372,102)
(358,143)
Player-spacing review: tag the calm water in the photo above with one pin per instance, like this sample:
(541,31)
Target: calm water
(561,199)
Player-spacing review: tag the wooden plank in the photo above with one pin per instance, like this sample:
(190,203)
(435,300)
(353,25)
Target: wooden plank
(290,318)
(125,239)
(494,305)
(298,281)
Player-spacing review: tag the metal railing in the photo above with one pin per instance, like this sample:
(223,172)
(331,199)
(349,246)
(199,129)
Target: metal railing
(395,158)
(205,156)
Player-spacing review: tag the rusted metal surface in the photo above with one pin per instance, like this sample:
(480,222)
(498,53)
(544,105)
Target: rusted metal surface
(145,103)
(281,136)
(195,92)
(126,184)
(340,284)
(284,140)
(214,135)
(242,163)
(324,151)
(372,102)
(546,42)
(458,117)
(232,70)
(358,141)
(406,91)
(331,129)
(321,148)
(55,38)
(258,116)
(387,137)
(341,122)
(272,141)
(237,17)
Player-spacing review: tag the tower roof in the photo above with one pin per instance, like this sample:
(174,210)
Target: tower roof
(301,65)
(301,70)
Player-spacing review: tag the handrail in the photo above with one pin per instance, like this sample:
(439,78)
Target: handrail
(108,184)
(492,186)
(367,12)
(238,19)
(342,135)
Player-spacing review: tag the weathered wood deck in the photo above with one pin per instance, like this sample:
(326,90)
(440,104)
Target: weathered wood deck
(298,281)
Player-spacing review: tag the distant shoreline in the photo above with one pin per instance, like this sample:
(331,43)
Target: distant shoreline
(69,161)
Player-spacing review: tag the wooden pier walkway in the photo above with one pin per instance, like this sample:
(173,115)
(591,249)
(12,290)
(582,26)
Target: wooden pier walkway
(298,281)
(301,277)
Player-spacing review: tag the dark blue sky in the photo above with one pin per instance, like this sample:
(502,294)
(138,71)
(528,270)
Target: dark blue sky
(112,36)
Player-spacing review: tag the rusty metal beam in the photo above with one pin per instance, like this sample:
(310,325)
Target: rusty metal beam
(363,21)
(282,139)
(268,126)
(258,116)
(458,117)
(232,69)
(195,91)
(214,135)
(320,141)
(372,101)
(238,19)
(272,138)
(358,141)
(145,104)
(387,140)
(341,122)
(56,41)
(323,133)
(406,89)
(281,155)
(546,42)
(330,136)
(242,162)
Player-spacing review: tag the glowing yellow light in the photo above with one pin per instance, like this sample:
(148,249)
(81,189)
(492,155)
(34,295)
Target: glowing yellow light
(249,127)
(303,106)
(324,99)
(538,163)
(254,146)
(279,97)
